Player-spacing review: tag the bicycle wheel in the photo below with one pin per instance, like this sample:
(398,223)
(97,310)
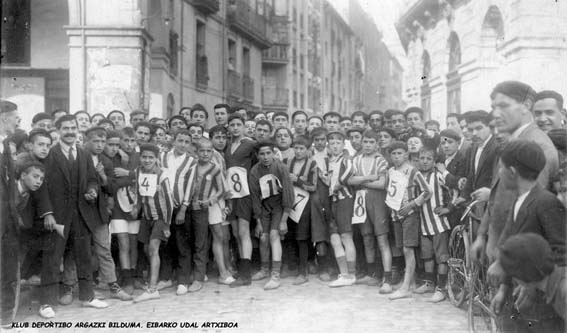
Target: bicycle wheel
(480,317)
(458,266)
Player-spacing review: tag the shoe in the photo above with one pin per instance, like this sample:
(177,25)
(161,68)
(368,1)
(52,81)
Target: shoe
(261,274)
(288,273)
(399,294)
(325,277)
(34,280)
(67,297)
(227,280)
(206,278)
(120,294)
(374,281)
(147,295)
(300,279)
(386,288)
(239,282)
(312,268)
(362,279)
(46,311)
(140,284)
(102,286)
(181,289)
(129,289)
(195,286)
(164,284)
(438,296)
(343,280)
(6,324)
(426,287)
(99,295)
(95,303)
(274,282)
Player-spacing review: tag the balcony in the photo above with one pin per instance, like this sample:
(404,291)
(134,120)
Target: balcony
(248,88)
(207,6)
(245,20)
(275,97)
(234,87)
(277,54)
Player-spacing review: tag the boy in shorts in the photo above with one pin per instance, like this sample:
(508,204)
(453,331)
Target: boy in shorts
(342,201)
(272,199)
(435,228)
(156,204)
(404,180)
(370,177)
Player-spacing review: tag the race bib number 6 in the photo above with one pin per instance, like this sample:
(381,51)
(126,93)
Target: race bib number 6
(147,184)
(238,182)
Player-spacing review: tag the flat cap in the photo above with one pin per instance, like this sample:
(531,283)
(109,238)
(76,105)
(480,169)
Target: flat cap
(7,106)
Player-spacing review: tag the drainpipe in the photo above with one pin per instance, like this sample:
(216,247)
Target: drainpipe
(83,21)
(180,56)
(224,41)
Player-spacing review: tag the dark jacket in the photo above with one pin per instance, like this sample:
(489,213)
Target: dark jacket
(457,169)
(486,170)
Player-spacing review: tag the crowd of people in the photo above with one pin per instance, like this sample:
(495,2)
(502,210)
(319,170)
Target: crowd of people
(371,199)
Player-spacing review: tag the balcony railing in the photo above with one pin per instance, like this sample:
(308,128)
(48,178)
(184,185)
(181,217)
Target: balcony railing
(277,54)
(234,87)
(275,97)
(207,6)
(243,18)
(248,88)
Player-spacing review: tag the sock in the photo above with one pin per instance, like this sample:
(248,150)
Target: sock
(245,267)
(388,277)
(397,262)
(303,255)
(276,267)
(343,266)
(371,268)
(442,281)
(429,277)
(265,265)
(351,266)
(114,287)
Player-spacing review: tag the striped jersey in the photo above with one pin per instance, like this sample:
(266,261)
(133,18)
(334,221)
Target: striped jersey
(210,181)
(160,206)
(417,188)
(379,165)
(178,171)
(431,223)
(340,170)
(306,172)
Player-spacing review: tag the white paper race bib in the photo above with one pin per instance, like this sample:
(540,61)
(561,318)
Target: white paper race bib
(238,182)
(334,170)
(359,211)
(269,185)
(397,185)
(147,184)
(301,197)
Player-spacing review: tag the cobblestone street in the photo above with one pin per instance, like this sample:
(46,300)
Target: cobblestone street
(312,307)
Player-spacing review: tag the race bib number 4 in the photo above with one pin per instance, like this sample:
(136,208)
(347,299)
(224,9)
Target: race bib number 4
(397,185)
(269,185)
(147,184)
(359,211)
(238,182)
(299,203)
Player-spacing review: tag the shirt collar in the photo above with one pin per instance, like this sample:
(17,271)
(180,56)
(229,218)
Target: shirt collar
(485,142)
(21,189)
(65,147)
(519,131)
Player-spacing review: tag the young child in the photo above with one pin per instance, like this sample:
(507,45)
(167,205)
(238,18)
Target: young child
(435,227)
(342,201)
(370,177)
(283,138)
(303,174)
(272,199)
(156,203)
(403,182)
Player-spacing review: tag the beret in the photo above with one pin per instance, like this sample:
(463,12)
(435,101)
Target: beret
(113,134)
(94,129)
(559,138)
(526,257)
(525,153)
(515,89)
(336,133)
(355,129)
(7,106)
(398,145)
(450,133)
(41,116)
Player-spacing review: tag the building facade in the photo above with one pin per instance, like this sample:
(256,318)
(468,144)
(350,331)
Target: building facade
(458,50)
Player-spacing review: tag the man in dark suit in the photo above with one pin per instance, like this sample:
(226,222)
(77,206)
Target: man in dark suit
(535,210)
(73,189)
(9,120)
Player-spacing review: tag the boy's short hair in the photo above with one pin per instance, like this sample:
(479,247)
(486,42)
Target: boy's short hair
(222,105)
(66,117)
(234,116)
(343,118)
(526,257)
(336,136)
(115,111)
(106,121)
(359,114)
(526,157)
(38,132)
(217,129)
(396,113)
(96,131)
(149,147)
(398,145)
(137,112)
(478,115)
(110,134)
(203,141)
(265,122)
(288,130)
(146,124)
(370,134)
(318,117)
(128,132)
(550,94)
(280,114)
(183,131)
(298,112)
(355,129)
(414,109)
(331,114)
(30,165)
(318,131)
(196,125)
(265,143)
(432,122)
(302,140)
(429,149)
(390,131)
(180,117)
(41,116)
(199,107)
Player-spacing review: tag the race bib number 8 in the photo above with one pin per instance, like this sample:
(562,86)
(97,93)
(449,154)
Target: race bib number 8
(299,203)
(397,185)
(147,184)
(359,211)
(269,185)
(237,182)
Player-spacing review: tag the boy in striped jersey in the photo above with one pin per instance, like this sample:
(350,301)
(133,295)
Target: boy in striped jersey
(435,227)
(342,201)
(272,199)
(370,177)
(156,203)
(404,180)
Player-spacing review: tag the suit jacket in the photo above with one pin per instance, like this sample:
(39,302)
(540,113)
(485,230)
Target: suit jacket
(457,169)
(105,192)
(484,174)
(40,204)
(541,213)
(8,212)
(58,180)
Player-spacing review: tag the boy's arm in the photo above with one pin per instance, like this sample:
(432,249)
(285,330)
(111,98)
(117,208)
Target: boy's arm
(220,185)
(254,184)
(382,171)
(426,192)
(287,188)
(166,201)
(346,171)
(311,184)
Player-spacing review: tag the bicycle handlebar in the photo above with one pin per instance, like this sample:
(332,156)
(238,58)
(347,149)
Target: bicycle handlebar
(468,210)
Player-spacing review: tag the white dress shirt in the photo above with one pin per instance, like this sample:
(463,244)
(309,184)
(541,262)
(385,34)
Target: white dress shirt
(519,203)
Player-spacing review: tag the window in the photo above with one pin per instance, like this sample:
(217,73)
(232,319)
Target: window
(16,32)
(302,101)
(202,69)
(231,55)
(246,61)
(173,52)
(294,56)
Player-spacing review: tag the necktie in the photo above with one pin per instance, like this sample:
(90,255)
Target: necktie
(71,156)
(23,201)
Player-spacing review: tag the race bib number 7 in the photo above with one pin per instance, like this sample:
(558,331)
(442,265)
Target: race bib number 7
(238,182)
(147,184)
(301,197)
(397,185)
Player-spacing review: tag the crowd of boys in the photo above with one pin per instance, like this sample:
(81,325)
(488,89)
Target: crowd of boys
(371,199)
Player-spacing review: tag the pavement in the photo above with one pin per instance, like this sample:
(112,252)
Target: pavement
(312,307)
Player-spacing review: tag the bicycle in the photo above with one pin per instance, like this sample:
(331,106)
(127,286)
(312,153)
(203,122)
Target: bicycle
(466,279)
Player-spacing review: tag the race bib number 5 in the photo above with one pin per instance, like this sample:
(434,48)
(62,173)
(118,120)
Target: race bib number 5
(359,211)
(397,186)
(299,203)
(238,182)
(147,184)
